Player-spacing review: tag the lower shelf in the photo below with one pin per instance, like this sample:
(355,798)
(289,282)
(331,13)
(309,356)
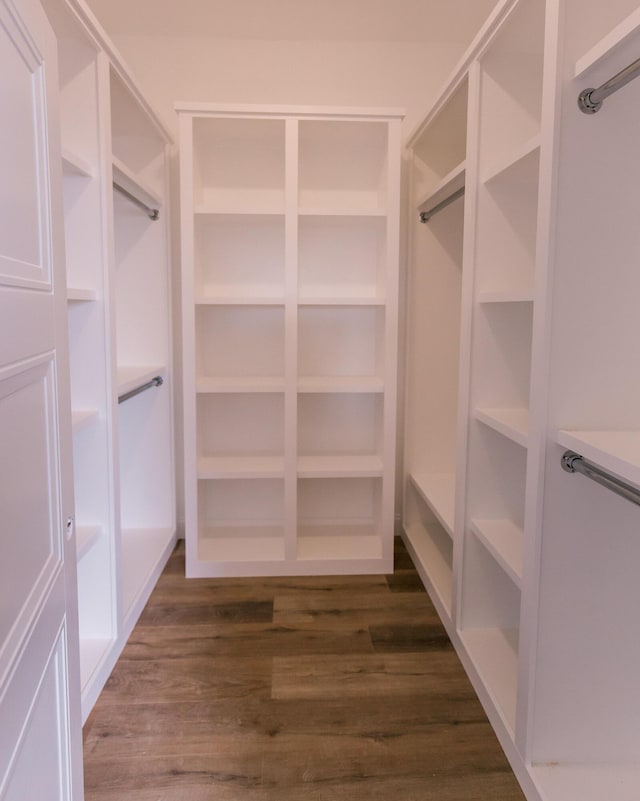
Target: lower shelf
(494,653)
(241,543)
(335,542)
(432,552)
(142,552)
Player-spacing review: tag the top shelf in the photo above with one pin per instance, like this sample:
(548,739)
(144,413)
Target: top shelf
(613,40)
(614,451)
(131,183)
(448,186)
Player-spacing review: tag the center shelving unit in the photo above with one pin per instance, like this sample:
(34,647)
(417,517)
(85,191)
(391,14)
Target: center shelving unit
(290,272)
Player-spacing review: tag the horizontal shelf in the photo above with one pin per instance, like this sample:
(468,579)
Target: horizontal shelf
(340,466)
(522,295)
(130,182)
(77,294)
(338,300)
(222,210)
(333,542)
(316,211)
(444,189)
(337,384)
(438,492)
(512,159)
(73,164)
(432,565)
(231,543)
(494,653)
(92,652)
(505,542)
(131,377)
(215,467)
(611,41)
(142,549)
(253,384)
(511,423)
(615,451)
(86,538)
(81,418)
(238,300)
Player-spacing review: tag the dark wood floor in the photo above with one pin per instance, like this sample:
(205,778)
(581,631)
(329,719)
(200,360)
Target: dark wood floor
(312,689)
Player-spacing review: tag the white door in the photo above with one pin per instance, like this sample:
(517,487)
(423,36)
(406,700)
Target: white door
(40,729)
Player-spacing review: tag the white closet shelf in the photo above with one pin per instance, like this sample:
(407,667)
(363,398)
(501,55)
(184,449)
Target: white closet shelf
(438,492)
(253,384)
(131,377)
(451,183)
(614,39)
(86,538)
(340,466)
(82,418)
(73,164)
(340,300)
(515,295)
(243,544)
(494,653)
(333,542)
(511,423)
(432,565)
(505,542)
(233,299)
(142,550)
(513,159)
(238,210)
(133,184)
(249,466)
(319,211)
(615,451)
(76,294)
(344,384)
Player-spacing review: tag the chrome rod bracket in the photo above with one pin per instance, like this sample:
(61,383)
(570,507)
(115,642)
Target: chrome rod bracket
(573,462)
(157,381)
(586,104)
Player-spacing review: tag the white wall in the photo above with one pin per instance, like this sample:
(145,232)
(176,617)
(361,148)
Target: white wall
(399,74)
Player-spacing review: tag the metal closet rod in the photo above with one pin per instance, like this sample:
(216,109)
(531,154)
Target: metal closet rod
(152,213)
(574,463)
(590,100)
(425,216)
(155,382)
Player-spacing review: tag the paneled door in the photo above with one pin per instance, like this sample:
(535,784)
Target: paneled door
(40,730)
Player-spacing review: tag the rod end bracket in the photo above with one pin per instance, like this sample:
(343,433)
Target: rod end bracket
(586,104)
(568,461)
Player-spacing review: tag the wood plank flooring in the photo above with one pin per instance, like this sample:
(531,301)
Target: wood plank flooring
(303,689)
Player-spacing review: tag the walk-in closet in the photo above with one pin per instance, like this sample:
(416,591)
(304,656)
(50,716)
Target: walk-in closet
(318,332)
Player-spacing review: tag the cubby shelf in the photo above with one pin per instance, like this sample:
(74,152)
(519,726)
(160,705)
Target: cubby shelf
(522,295)
(494,652)
(237,300)
(73,164)
(218,467)
(340,384)
(608,44)
(505,542)
(81,294)
(228,210)
(438,492)
(511,423)
(318,543)
(514,160)
(337,300)
(232,384)
(431,563)
(340,466)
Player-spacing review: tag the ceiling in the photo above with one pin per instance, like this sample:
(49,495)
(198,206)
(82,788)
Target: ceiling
(323,20)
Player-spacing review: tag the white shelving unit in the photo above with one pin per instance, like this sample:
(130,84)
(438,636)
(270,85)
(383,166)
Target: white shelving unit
(119,336)
(290,257)
(531,568)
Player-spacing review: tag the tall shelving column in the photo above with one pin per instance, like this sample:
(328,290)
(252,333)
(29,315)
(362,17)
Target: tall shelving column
(290,241)
(506,160)
(434,291)
(85,196)
(586,706)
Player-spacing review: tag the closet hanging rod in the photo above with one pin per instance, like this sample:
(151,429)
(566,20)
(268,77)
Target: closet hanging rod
(152,213)
(155,382)
(574,463)
(425,216)
(590,100)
